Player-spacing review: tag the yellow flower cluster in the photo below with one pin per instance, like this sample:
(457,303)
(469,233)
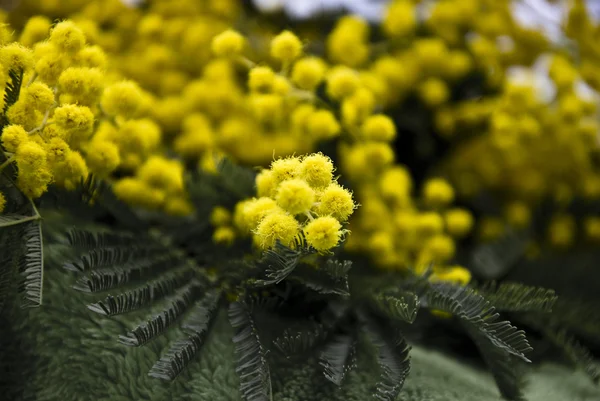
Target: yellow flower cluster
(193,77)
(72,119)
(297,194)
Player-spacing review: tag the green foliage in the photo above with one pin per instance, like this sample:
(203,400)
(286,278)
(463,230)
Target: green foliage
(252,365)
(516,297)
(11,93)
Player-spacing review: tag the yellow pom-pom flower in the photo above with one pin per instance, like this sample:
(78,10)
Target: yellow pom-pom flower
(228,43)
(308,72)
(13,136)
(78,121)
(67,37)
(35,30)
(317,170)
(254,211)
(178,206)
(286,168)
(39,95)
(85,84)
(276,226)
(122,98)
(323,125)
(323,233)
(438,193)
(459,222)
(400,19)
(337,202)
(162,173)
(137,192)
(15,56)
(286,47)
(434,92)
(261,79)
(342,82)
(30,156)
(265,184)
(224,235)
(295,196)
(379,127)
(220,216)
(103,158)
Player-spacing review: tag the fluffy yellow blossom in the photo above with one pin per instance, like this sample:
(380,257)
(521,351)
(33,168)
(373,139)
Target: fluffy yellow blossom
(342,82)
(317,170)
(276,226)
(13,136)
(2,202)
(265,184)
(459,222)
(323,233)
(295,196)
(67,37)
(162,173)
(379,127)
(228,43)
(323,125)
(178,206)
(39,95)
(261,79)
(308,72)
(438,192)
(15,56)
(224,235)
(400,18)
(220,216)
(286,168)
(137,192)
(336,201)
(102,157)
(286,47)
(122,98)
(36,29)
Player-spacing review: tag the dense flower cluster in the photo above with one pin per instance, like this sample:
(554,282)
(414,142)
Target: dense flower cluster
(113,88)
(296,195)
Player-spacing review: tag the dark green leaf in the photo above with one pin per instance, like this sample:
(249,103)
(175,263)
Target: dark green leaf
(338,358)
(515,297)
(182,352)
(252,365)
(160,323)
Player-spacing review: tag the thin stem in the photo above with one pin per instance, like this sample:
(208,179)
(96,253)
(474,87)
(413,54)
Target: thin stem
(21,221)
(7,162)
(32,78)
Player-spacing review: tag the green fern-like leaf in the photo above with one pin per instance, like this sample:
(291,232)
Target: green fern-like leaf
(503,366)
(11,92)
(338,358)
(182,352)
(393,359)
(475,311)
(280,261)
(179,304)
(32,264)
(397,304)
(252,366)
(143,296)
(127,272)
(296,342)
(499,341)
(515,297)
(331,279)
